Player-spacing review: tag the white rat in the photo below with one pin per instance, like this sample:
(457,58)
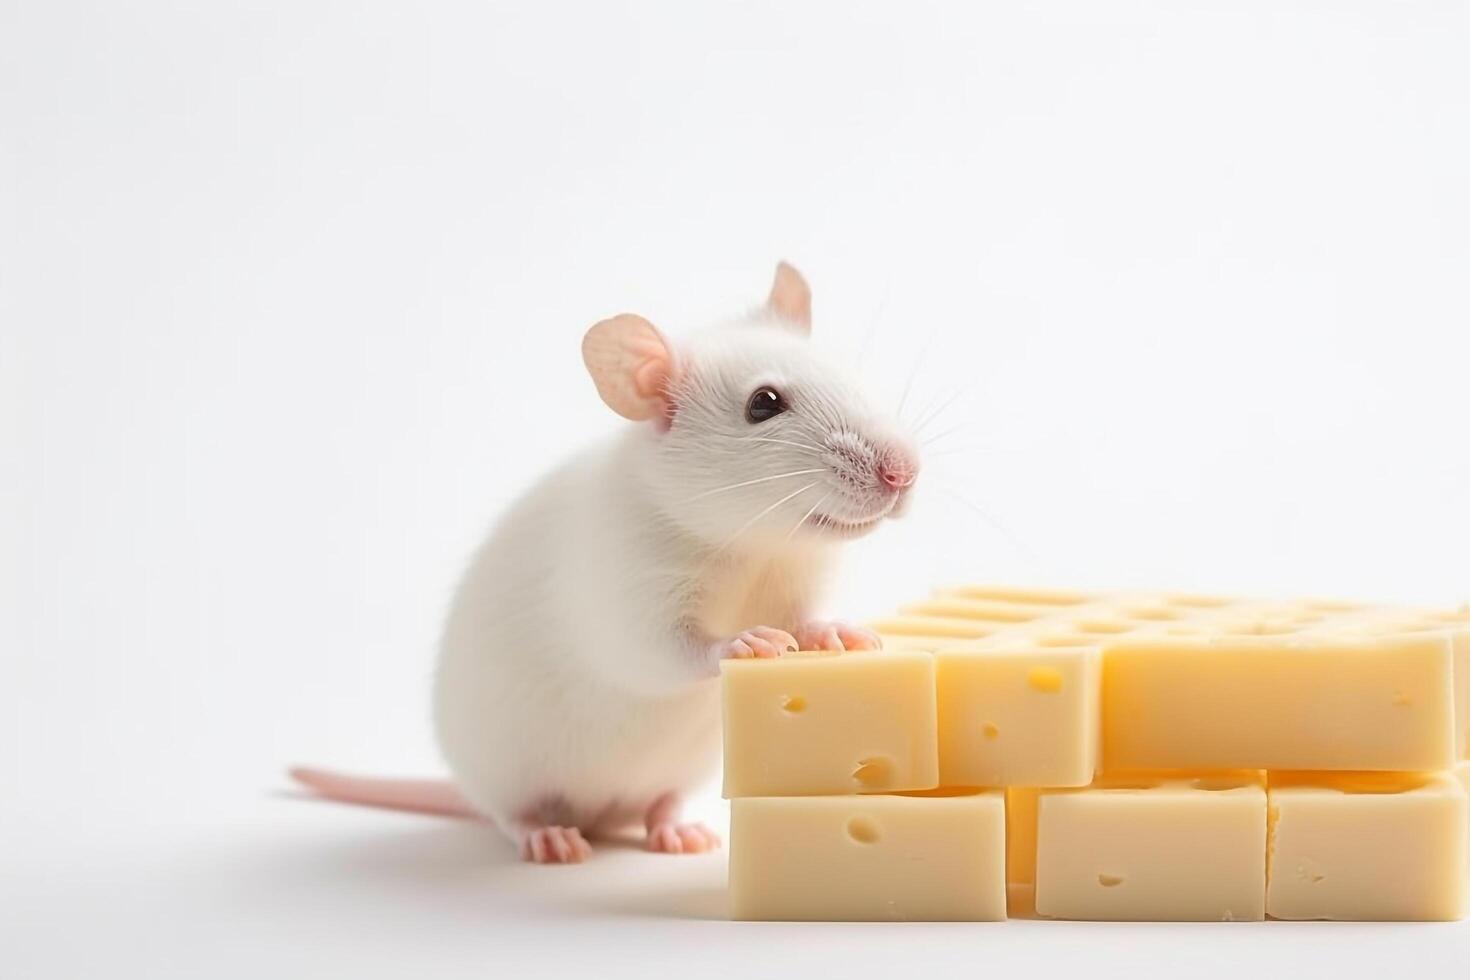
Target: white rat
(576,691)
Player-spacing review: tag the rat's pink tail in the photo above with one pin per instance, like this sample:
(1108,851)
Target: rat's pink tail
(418,795)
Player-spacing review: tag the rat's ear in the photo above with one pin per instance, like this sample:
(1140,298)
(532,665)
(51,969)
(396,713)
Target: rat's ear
(791,297)
(631,364)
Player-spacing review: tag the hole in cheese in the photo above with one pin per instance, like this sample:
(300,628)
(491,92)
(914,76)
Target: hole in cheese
(1110,881)
(1218,784)
(1123,782)
(1065,641)
(1104,626)
(1047,680)
(793,704)
(1309,874)
(1199,601)
(864,830)
(1151,613)
(1042,597)
(991,729)
(1381,783)
(874,773)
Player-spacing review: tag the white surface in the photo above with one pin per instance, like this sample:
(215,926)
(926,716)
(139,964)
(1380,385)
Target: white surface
(290,297)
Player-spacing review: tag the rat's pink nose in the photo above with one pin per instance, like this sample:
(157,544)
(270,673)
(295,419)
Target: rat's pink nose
(897,471)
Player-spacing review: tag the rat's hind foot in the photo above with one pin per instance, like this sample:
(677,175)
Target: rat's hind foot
(555,845)
(836,636)
(682,838)
(763,642)
(667,835)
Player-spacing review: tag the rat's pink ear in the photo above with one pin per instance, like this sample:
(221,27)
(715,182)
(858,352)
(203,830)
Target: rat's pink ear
(631,364)
(791,297)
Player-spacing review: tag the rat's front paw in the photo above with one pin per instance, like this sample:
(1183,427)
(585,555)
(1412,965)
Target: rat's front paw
(763,642)
(836,636)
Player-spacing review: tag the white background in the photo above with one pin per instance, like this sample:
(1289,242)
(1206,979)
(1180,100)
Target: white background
(290,303)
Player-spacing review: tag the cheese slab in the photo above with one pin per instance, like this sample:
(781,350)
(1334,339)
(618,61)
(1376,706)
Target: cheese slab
(829,724)
(1367,846)
(1295,700)
(933,857)
(1153,848)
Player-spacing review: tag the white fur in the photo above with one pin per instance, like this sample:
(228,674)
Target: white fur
(577,677)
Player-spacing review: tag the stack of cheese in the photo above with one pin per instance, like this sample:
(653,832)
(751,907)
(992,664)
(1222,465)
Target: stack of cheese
(1107,757)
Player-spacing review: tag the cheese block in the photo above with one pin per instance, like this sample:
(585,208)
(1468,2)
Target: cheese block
(1024,714)
(1367,846)
(827,724)
(1291,700)
(1153,847)
(938,856)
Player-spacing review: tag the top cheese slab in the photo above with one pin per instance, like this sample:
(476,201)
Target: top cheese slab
(1191,681)
(1278,702)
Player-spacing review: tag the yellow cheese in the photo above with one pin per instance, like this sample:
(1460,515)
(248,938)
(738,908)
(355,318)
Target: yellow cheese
(1455,626)
(1021,597)
(1021,835)
(829,724)
(956,607)
(1461,647)
(1153,848)
(1462,773)
(932,857)
(1365,846)
(948,627)
(1020,716)
(1282,701)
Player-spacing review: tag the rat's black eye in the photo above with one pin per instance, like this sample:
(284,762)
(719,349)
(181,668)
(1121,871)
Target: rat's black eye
(765,403)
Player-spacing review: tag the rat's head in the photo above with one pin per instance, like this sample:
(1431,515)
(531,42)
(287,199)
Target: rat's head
(753,435)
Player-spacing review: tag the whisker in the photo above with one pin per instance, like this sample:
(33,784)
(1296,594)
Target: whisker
(783,442)
(954,450)
(930,440)
(747,525)
(935,413)
(873,323)
(913,373)
(751,483)
(804,517)
(986,516)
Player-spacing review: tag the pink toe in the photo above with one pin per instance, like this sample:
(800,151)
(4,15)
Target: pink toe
(856,638)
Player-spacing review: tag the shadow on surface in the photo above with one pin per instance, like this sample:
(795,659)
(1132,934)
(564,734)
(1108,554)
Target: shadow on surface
(468,867)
